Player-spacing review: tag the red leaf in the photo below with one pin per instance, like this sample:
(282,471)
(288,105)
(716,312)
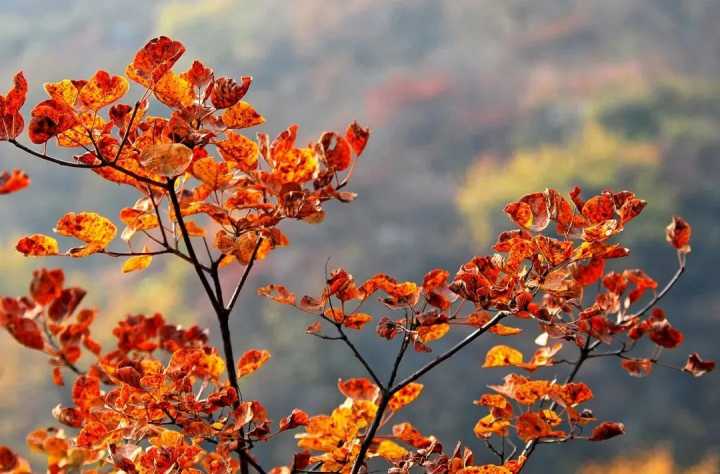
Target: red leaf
(607,430)
(697,367)
(10,183)
(295,419)
(678,234)
(155,59)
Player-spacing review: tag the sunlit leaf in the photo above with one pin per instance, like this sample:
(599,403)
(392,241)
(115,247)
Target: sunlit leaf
(102,89)
(90,227)
(38,245)
(137,263)
(154,60)
(251,361)
(391,451)
(166,159)
(502,356)
(239,149)
(405,396)
(13,182)
(242,115)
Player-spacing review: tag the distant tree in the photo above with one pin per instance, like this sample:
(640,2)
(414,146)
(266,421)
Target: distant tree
(163,400)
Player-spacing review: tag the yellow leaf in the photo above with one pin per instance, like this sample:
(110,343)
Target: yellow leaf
(390,451)
(90,227)
(63,91)
(502,356)
(136,263)
(174,90)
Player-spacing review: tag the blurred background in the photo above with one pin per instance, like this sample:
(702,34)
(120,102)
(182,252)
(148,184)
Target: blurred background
(472,104)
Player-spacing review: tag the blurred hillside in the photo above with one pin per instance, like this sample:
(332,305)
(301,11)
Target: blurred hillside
(472,103)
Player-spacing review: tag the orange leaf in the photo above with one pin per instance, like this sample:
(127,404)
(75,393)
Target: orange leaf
(337,151)
(242,115)
(166,159)
(174,90)
(359,389)
(277,293)
(46,285)
(10,183)
(89,125)
(502,356)
(405,396)
(356,320)
(409,434)
(102,89)
(63,91)
(433,332)
(599,208)
(26,332)
(490,425)
(37,245)
(295,419)
(532,425)
(239,149)
(90,227)
(251,361)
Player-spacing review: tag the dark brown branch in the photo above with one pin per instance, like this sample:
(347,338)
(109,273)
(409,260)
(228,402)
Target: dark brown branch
(243,279)
(103,163)
(343,337)
(51,159)
(199,267)
(664,291)
(451,352)
(127,132)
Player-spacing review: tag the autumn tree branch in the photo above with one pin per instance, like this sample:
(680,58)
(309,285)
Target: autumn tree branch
(586,352)
(394,388)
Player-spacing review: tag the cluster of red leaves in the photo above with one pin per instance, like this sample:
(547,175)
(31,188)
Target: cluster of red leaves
(150,404)
(159,402)
(48,320)
(534,276)
(248,191)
